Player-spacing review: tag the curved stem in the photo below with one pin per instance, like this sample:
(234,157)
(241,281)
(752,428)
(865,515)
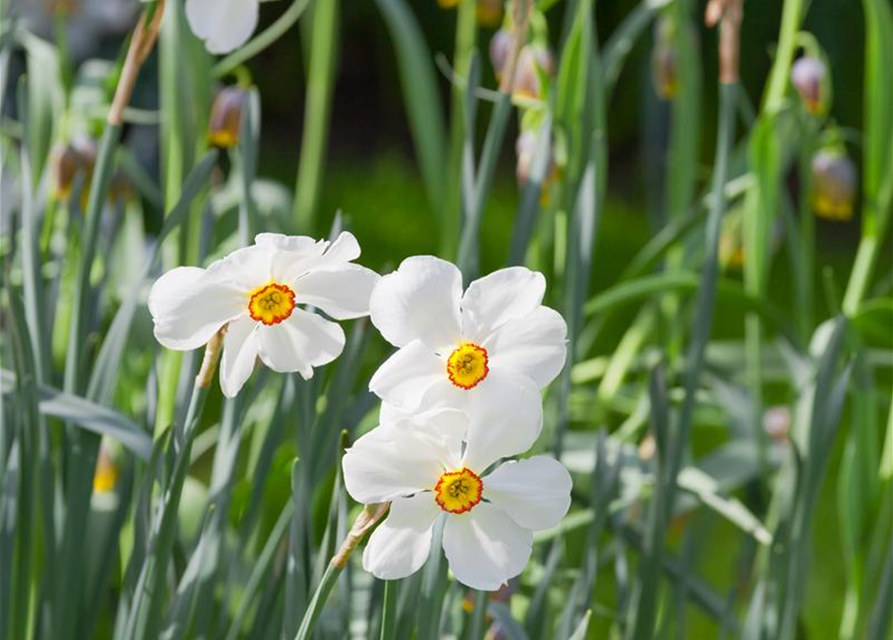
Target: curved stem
(262,40)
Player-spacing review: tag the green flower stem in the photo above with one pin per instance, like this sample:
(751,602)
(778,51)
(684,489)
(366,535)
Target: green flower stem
(262,40)
(389,609)
(320,81)
(454,216)
(370,515)
(146,614)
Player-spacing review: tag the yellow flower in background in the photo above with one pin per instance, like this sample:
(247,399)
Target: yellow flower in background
(105,478)
(833,185)
(731,242)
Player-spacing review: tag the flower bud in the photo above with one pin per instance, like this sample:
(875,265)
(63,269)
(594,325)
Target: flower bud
(664,73)
(533,60)
(731,242)
(808,78)
(777,423)
(833,185)
(226,117)
(67,160)
(500,49)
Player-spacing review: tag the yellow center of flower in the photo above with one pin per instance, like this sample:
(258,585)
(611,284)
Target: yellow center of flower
(271,303)
(458,491)
(468,365)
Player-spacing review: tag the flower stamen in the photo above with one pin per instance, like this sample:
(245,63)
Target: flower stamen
(458,491)
(468,365)
(271,303)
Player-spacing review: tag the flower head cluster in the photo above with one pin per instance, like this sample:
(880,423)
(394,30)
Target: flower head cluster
(461,393)
(256,294)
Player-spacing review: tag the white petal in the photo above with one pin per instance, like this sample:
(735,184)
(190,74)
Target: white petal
(404,378)
(188,309)
(342,250)
(485,547)
(535,492)
(419,301)
(448,425)
(304,245)
(239,355)
(299,343)
(506,414)
(342,292)
(247,269)
(495,299)
(534,345)
(224,25)
(387,463)
(401,544)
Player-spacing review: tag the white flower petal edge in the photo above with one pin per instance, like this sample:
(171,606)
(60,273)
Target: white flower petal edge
(240,348)
(389,462)
(188,307)
(534,345)
(405,377)
(419,301)
(505,419)
(224,25)
(303,341)
(401,544)
(501,296)
(485,547)
(535,492)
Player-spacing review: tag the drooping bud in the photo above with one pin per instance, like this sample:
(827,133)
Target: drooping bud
(68,160)
(833,185)
(533,60)
(808,78)
(664,71)
(500,49)
(226,117)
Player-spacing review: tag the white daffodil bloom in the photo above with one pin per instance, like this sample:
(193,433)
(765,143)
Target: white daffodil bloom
(494,339)
(420,468)
(255,292)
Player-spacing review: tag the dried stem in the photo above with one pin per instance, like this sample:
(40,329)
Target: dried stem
(209,361)
(144,37)
(371,514)
(729,14)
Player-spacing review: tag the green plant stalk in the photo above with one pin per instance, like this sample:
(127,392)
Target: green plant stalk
(389,609)
(262,40)
(877,184)
(762,201)
(320,82)
(83,446)
(706,298)
(805,307)
(454,216)
(146,618)
(318,601)
(683,151)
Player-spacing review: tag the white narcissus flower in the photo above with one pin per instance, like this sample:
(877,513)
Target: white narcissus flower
(255,293)
(419,467)
(455,348)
